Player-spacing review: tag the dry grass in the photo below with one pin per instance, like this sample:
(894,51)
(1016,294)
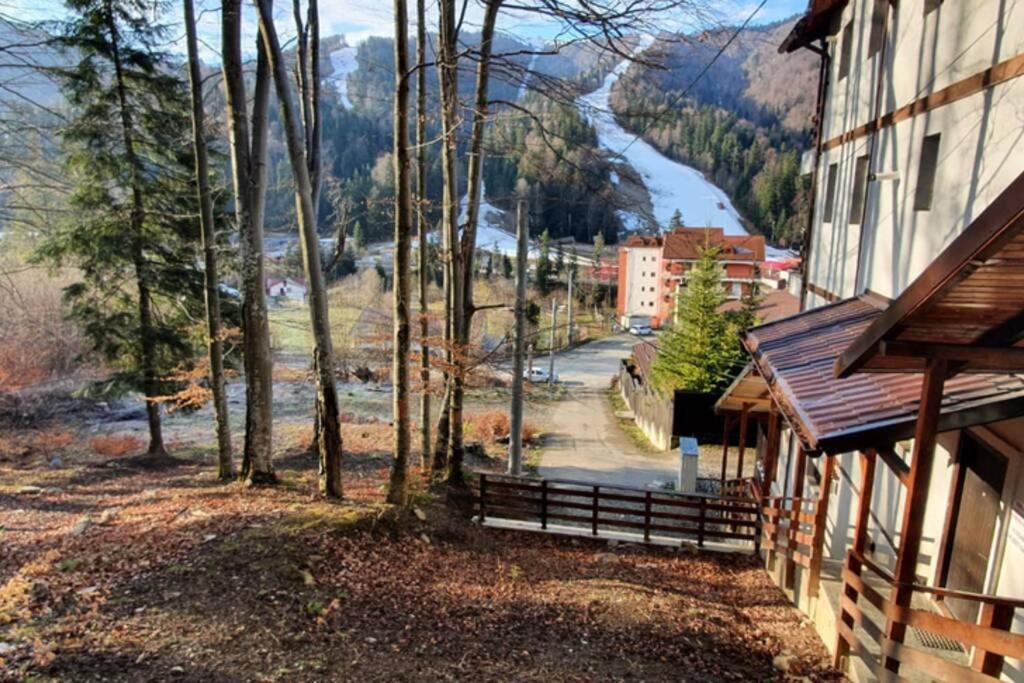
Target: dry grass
(494,425)
(37,344)
(115,445)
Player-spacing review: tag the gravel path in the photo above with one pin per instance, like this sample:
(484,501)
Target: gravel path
(585,441)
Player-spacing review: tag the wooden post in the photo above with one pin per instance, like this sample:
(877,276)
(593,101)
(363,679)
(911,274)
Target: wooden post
(543,503)
(820,515)
(647,516)
(992,616)
(483,498)
(700,521)
(920,475)
(860,539)
(593,518)
(515,454)
(771,454)
(744,415)
(796,507)
(725,446)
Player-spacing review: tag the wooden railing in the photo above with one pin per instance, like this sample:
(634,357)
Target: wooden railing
(794,528)
(672,516)
(990,638)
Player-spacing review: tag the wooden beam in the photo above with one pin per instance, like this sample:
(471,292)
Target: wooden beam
(820,518)
(917,492)
(860,540)
(1001,359)
(895,463)
(725,446)
(744,420)
(771,453)
(799,475)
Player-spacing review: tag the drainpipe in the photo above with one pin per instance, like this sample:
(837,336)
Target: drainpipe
(873,145)
(823,72)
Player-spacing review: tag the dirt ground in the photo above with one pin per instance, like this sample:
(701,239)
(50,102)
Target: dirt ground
(116,568)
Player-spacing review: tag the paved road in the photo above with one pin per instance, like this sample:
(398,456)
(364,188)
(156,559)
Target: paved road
(585,442)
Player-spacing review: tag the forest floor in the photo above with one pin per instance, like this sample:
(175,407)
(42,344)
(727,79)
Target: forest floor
(122,568)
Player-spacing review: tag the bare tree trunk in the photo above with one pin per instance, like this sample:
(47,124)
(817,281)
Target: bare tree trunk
(440,461)
(215,344)
(147,332)
(323,357)
(249,178)
(422,226)
(462,299)
(515,453)
(448,79)
(403,230)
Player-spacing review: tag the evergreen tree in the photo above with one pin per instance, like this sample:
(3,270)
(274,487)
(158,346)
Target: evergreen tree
(699,352)
(506,267)
(131,236)
(358,241)
(746,316)
(559,260)
(676,220)
(544,267)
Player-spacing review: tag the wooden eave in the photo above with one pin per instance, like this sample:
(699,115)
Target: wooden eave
(748,390)
(813,25)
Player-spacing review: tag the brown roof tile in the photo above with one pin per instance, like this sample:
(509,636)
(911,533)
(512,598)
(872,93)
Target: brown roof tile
(795,355)
(686,243)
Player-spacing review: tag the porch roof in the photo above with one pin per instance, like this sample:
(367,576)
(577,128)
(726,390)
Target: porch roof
(795,357)
(966,307)
(814,24)
(748,389)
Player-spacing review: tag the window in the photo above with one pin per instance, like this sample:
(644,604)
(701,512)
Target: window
(860,190)
(846,50)
(830,193)
(931,5)
(877,37)
(926,173)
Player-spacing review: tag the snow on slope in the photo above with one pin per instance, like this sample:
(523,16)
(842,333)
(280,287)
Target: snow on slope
(488,227)
(343,62)
(672,185)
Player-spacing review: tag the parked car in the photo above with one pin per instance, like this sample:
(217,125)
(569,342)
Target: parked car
(538,375)
(641,330)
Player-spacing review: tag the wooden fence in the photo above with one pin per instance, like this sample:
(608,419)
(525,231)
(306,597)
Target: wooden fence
(990,639)
(652,413)
(673,516)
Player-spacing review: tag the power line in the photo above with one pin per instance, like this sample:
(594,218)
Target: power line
(703,71)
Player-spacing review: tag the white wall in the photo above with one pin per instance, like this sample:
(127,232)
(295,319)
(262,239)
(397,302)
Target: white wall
(979,150)
(643,265)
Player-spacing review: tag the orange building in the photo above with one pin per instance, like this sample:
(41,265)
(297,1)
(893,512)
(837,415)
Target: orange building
(653,270)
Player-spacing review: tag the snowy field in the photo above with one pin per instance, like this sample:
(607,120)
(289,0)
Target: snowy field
(489,230)
(343,62)
(672,185)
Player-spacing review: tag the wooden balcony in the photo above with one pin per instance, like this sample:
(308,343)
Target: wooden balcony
(874,622)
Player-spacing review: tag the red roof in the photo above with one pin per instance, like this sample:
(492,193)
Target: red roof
(684,244)
(643,241)
(796,357)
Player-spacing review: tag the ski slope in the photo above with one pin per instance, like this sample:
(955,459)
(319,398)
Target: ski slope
(488,227)
(671,185)
(343,62)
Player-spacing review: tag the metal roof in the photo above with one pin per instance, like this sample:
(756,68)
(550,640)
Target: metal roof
(796,356)
(968,304)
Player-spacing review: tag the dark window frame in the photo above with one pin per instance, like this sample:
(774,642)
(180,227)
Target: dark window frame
(859,196)
(830,193)
(927,165)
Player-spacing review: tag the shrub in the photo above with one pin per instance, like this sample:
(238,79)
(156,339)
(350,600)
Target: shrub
(495,425)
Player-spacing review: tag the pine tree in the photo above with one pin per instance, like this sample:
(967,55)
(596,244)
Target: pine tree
(132,229)
(544,264)
(506,267)
(676,220)
(358,241)
(699,352)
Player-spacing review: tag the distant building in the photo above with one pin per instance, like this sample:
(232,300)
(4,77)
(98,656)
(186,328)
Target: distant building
(653,270)
(286,288)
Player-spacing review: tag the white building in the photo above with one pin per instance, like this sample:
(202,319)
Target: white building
(913,271)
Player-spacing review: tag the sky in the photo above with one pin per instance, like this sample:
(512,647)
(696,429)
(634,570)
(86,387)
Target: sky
(358,19)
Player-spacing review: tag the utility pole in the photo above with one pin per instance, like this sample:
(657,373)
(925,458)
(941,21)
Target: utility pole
(551,349)
(515,454)
(529,361)
(570,309)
